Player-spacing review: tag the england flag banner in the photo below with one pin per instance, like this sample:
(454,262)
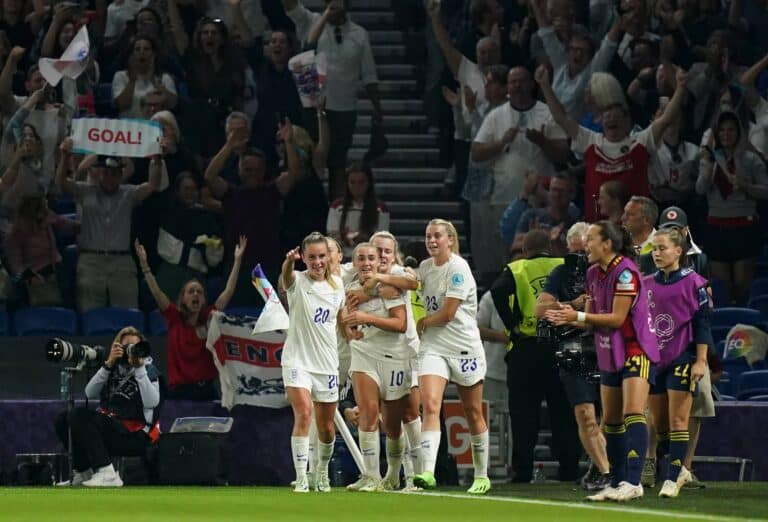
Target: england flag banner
(125,138)
(249,365)
(72,63)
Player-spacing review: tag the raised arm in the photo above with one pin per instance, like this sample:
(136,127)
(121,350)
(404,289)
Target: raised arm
(568,124)
(180,38)
(320,155)
(7,101)
(286,180)
(160,298)
(672,110)
(287,275)
(61,14)
(452,55)
(241,28)
(319,25)
(229,289)
(748,78)
(215,182)
(63,182)
(152,184)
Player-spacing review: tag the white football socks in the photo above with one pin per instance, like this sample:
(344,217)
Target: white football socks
(430,442)
(370,448)
(480,454)
(413,432)
(300,451)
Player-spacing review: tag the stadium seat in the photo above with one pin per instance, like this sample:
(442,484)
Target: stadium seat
(759,287)
(718,292)
(250,311)
(760,303)
(759,398)
(730,316)
(727,398)
(720,350)
(108,321)
(719,333)
(724,385)
(45,321)
(157,324)
(752,383)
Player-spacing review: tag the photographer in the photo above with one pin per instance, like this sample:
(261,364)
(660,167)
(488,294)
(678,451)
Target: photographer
(566,284)
(531,370)
(125,423)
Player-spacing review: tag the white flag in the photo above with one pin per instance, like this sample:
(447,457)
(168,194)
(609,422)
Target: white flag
(71,64)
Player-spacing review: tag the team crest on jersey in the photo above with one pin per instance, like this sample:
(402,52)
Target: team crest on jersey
(457,279)
(663,325)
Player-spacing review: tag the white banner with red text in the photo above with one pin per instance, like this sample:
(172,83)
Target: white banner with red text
(123,138)
(249,365)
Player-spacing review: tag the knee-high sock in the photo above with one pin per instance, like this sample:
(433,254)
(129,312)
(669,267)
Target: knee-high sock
(299,451)
(370,448)
(430,443)
(395,450)
(616,449)
(637,446)
(313,441)
(480,454)
(678,447)
(662,444)
(324,453)
(413,432)
(408,468)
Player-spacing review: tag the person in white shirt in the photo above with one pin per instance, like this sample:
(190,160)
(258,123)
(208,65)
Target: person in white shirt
(495,342)
(310,359)
(349,63)
(517,137)
(451,350)
(381,371)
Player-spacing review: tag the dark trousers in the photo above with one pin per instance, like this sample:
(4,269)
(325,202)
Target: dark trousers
(96,437)
(342,129)
(532,376)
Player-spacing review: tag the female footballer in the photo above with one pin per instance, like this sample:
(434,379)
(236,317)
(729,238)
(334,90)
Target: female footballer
(679,307)
(451,350)
(310,355)
(626,348)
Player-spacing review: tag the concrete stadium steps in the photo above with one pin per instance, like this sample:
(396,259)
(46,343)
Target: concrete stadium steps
(399,140)
(416,226)
(386,37)
(395,71)
(398,157)
(422,174)
(407,88)
(425,209)
(394,124)
(390,106)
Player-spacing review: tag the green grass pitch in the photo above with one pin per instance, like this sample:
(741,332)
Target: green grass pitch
(548,502)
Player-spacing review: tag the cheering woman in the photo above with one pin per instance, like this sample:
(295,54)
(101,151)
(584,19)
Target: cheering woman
(617,310)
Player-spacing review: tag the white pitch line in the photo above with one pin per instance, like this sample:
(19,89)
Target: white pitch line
(589,506)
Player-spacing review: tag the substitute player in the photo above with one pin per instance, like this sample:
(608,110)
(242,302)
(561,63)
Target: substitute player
(381,371)
(617,310)
(310,357)
(679,307)
(451,350)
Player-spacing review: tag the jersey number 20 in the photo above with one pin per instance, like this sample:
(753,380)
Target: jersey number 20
(321,315)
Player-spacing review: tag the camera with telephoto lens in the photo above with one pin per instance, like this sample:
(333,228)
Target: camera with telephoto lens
(58,350)
(577,265)
(570,355)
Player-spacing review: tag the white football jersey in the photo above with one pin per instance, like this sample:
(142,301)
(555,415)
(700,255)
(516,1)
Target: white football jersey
(410,332)
(459,338)
(378,343)
(311,341)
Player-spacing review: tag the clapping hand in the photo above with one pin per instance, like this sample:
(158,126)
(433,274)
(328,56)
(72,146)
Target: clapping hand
(240,247)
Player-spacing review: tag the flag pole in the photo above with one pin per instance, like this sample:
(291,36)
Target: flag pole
(341,426)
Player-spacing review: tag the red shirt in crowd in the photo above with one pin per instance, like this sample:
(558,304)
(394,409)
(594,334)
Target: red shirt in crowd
(189,361)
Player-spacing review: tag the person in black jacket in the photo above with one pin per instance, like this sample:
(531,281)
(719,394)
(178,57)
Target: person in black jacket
(124,424)
(676,217)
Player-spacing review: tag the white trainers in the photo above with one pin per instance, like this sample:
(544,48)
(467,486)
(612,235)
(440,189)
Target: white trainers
(355,486)
(104,478)
(684,477)
(323,484)
(77,479)
(390,484)
(312,480)
(301,485)
(627,491)
(670,489)
(604,494)
(410,487)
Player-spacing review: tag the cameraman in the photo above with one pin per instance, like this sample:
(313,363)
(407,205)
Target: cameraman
(531,370)
(124,424)
(566,284)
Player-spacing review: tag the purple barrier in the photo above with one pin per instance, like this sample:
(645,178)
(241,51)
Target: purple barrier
(738,430)
(258,446)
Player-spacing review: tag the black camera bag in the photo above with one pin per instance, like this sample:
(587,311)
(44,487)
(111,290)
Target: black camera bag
(195,458)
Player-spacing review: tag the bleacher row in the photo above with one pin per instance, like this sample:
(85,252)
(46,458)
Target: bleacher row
(57,321)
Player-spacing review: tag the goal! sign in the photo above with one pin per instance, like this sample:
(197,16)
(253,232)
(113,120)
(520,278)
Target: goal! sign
(124,138)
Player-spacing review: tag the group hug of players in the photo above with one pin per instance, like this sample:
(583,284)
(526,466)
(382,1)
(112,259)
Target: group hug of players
(358,321)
